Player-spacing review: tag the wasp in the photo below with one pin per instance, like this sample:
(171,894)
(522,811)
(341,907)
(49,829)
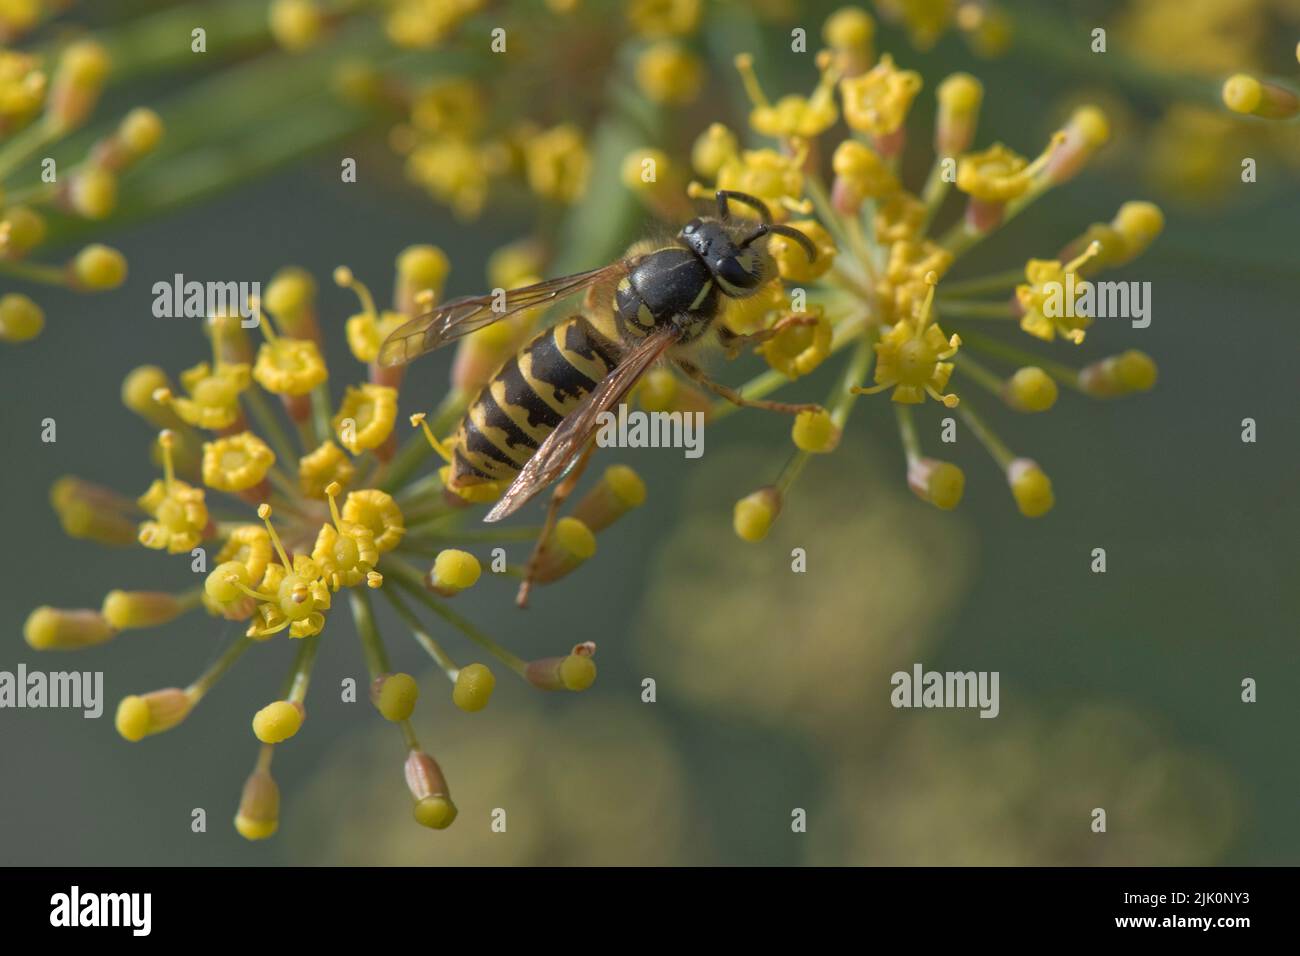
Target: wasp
(534,421)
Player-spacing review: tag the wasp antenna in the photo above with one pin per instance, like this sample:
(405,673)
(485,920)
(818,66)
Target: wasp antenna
(745,199)
(782,230)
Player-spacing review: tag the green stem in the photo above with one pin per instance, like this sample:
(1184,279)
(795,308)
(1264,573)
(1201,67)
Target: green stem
(223,663)
(434,649)
(372,646)
(1018,356)
(409,580)
(1000,452)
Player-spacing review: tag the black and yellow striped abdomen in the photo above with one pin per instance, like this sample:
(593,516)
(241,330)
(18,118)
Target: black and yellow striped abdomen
(527,399)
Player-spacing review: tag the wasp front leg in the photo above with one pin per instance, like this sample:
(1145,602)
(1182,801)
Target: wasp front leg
(733,396)
(734,342)
(561,493)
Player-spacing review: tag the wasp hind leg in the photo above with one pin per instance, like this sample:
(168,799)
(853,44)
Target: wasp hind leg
(733,396)
(563,489)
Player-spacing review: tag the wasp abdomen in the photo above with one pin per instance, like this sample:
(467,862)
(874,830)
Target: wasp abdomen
(527,399)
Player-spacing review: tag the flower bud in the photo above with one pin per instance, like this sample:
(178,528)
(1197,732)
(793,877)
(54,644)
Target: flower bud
(140,716)
(960,96)
(575,672)
(21,319)
(92,512)
(291,298)
(667,72)
(54,629)
(619,490)
(569,545)
(1243,93)
(140,132)
(815,432)
(941,483)
(754,514)
(1138,224)
(420,268)
(295,24)
(278,721)
(1119,375)
(712,149)
(78,81)
(1086,132)
(97,268)
(433,806)
(850,33)
(134,609)
(26,229)
(394,696)
(138,390)
(474,685)
(1031,488)
(1030,389)
(453,571)
(259,807)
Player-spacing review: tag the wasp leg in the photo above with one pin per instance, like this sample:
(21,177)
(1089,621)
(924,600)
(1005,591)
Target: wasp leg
(561,493)
(735,342)
(733,396)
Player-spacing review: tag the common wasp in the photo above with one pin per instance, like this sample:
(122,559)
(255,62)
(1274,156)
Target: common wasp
(537,417)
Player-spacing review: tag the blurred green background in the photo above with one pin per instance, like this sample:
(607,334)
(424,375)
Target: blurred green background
(1119,690)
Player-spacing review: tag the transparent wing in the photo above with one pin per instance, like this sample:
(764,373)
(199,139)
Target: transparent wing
(564,444)
(459,317)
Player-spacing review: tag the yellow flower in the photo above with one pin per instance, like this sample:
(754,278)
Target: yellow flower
(557,163)
(911,358)
(861,167)
(791,259)
(877,102)
(792,115)
(180,516)
(366,417)
(668,73)
(453,106)
(288,366)
(326,464)
(294,594)
(774,177)
(453,171)
(798,349)
(214,391)
(663,18)
(236,462)
(1043,297)
(379,512)
(344,550)
(995,175)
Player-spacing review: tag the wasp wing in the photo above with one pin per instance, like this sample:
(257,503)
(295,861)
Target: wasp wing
(563,445)
(459,317)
